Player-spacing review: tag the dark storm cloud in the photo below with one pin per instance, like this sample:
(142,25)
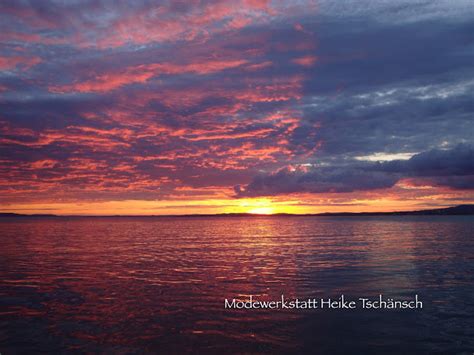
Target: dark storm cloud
(458,161)
(317,180)
(452,168)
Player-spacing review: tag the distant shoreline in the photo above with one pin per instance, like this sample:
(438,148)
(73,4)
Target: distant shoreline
(461,210)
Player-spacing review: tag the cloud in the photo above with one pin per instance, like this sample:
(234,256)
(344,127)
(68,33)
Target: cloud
(458,161)
(453,168)
(307,61)
(12,62)
(142,73)
(105,25)
(316,180)
(100,101)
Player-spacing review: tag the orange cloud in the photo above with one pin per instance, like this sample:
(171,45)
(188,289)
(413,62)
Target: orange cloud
(44,164)
(230,135)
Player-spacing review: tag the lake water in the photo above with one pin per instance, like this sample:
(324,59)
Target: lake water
(157,285)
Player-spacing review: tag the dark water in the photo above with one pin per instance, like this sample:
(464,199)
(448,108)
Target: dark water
(157,285)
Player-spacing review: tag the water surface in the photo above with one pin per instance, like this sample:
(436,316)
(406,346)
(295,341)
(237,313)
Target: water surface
(147,285)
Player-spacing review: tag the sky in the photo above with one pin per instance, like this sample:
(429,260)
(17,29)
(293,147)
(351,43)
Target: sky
(177,107)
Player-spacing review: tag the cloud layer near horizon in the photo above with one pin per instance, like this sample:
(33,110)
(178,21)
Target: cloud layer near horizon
(451,168)
(187,99)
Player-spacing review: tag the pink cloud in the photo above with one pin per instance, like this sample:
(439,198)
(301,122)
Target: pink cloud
(142,73)
(8,63)
(306,61)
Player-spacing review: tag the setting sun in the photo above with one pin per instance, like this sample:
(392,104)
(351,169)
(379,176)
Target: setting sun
(262,210)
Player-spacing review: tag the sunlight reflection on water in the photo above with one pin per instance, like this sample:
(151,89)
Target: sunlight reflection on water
(159,284)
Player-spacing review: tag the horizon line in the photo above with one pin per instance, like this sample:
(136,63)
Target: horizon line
(246,214)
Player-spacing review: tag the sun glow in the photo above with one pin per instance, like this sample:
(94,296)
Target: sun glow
(262,210)
(257,206)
